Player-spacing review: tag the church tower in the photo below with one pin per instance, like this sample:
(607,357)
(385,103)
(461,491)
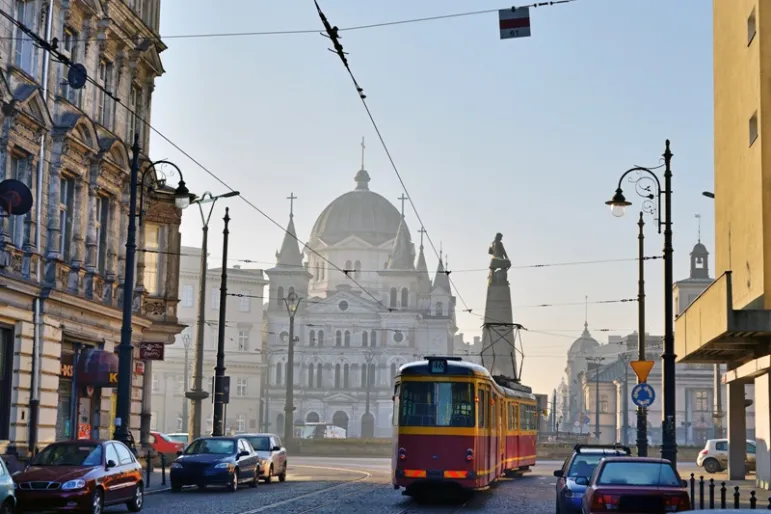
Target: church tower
(685,291)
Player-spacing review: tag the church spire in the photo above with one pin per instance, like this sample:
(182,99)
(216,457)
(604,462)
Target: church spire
(402,256)
(290,254)
(586,317)
(362,177)
(422,267)
(442,278)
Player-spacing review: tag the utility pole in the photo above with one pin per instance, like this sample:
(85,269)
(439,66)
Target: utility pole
(197,395)
(292,302)
(718,394)
(625,400)
(186,340)
(554,411)
(219,370)
(596,361)
(642,413)
(369,357)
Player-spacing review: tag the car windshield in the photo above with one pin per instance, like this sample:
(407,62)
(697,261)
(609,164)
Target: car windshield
(260,444)
(212,446)
(85,455)
(583,465)
(635,473)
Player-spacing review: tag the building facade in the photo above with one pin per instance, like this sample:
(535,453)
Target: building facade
(71,148)
(730,322)
(243,348)
(351,336)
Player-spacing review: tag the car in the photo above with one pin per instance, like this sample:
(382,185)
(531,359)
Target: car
(273,462)
(714,457)
(581,463)
(82,475)
(218,461)
(634,484)
(7,490)
(162,444)
(179,437)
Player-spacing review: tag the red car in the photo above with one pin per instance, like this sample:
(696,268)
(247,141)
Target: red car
(163,444)
(82,476)
(637,485)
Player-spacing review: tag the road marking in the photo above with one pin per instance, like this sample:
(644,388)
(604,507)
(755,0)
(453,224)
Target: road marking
(314,493)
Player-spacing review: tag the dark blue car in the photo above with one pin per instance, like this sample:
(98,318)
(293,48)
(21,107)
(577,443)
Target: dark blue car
(218,461)
(581,463)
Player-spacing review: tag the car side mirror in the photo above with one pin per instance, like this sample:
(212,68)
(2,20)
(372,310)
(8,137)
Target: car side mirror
(110,464)
(582,481)
(179,452)
(276,449)
(243,453)
(683,483)
(558,473)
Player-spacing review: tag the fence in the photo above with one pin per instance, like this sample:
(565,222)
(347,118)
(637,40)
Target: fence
(710,502)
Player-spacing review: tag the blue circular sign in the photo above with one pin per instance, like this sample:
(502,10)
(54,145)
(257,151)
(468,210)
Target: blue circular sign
(643,395)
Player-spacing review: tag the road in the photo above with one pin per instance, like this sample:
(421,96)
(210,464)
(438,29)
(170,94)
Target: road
(318,485)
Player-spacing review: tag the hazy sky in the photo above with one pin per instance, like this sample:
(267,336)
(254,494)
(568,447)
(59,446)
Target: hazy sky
(527,137)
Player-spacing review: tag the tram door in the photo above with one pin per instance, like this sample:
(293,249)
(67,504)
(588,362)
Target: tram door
(484,428)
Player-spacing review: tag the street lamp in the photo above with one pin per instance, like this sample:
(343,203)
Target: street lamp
(186,340)
(198,394)
(292,302)
(644,181)
(182,199)
(369,357)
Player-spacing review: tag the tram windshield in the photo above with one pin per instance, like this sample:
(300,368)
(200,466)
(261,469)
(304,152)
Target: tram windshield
(436,404)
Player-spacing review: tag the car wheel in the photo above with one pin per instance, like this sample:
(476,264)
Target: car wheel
(269,476)
(175,488)
(557,507)
(97,502)
(256,479)
(138,501)
(282,476)
(7,507)
(233,486)
(711,466)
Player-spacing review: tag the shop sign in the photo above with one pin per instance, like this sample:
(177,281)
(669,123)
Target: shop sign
(67,369)
(151,351)
(98,368)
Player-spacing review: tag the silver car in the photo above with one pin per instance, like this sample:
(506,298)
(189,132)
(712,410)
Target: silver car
(7,490)
(272,455)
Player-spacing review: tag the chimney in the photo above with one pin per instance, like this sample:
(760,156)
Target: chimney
(477,340)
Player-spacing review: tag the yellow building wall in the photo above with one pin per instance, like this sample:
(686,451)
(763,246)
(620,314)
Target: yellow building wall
(740,237)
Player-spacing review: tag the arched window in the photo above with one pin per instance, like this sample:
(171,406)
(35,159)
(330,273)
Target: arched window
(393,371)
(364,339)
(337,376)
(393,297)
(291,291)
(371,374)
(280,296)
(357,268)
(312,338)
(319,382)
(438,309)
(346,377)
(321,338)
(373,339)
(363,376)
(347,339)
(312,417)
(338,338)
(405,297)
(279,369)
(348,266)
(311,369)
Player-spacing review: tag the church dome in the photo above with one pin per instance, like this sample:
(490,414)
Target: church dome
(361,213)
(584,344)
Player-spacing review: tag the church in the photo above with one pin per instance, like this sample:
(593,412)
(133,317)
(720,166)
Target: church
(365,304)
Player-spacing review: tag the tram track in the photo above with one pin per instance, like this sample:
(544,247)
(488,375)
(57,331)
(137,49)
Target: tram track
(434,509)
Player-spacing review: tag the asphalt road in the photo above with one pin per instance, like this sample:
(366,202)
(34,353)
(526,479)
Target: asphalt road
(352,486)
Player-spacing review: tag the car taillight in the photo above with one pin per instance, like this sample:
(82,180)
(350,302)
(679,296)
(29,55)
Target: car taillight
(402,454)
(469,455)
(704,452)
(604,502)
(678,503)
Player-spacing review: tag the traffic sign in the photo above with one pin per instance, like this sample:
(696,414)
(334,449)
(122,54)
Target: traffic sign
(641,369)
(514,22)
(643,395)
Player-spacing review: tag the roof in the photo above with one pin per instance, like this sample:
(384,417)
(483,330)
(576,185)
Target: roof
(585,343)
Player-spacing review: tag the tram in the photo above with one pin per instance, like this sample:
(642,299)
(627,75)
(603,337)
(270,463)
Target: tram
(457,425)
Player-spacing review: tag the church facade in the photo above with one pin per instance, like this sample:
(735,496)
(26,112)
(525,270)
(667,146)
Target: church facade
(365,305)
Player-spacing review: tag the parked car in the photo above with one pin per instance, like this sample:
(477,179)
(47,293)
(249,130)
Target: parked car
(714,457)
(179,437)
(218,461)
(581,463)
(82,475)
(164,445)
(272,455)
(7,490)
(634,484)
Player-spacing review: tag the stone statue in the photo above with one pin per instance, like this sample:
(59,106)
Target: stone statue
(500,263)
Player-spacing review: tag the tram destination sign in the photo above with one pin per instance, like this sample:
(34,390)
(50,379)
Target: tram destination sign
(438,366)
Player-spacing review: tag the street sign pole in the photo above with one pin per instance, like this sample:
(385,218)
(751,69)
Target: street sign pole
(642,369)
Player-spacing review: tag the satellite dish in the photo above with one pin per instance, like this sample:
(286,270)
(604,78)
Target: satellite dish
(77,76)
(15,197)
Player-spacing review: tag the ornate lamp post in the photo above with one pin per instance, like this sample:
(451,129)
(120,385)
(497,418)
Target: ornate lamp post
(182,198)
(292,302)
(644,180)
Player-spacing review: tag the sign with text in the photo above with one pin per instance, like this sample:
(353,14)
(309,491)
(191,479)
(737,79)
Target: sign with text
(151,351)
(514,22)
(97,368)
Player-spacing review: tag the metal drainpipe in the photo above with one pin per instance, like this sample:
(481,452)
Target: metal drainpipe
(34,402)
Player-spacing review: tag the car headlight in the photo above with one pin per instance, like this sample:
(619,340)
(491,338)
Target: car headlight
(176,465)
(74,484)
(222,465)
(567,493)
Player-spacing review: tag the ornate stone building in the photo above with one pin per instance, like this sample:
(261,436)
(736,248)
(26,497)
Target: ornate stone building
(71,148)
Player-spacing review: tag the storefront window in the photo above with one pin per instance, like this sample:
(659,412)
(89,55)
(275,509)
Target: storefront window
(6,380)
(64,409)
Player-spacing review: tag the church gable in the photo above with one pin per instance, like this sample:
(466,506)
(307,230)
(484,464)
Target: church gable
(343,303)
(29,101)
(341,399)
(353,242)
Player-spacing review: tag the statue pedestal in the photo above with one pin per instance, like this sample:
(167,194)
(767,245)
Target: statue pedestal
(498,340)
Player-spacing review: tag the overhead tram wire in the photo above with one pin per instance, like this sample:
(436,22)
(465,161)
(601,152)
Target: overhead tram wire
(51,48)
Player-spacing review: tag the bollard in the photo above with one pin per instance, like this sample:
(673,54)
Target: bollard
(769,503)
(149,469)
(753,500)
(701,493)
(712,493)
(163,469)
(722,495)
(693,490)
(736,497)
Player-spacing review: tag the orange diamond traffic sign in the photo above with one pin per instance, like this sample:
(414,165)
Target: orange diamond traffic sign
(641,369)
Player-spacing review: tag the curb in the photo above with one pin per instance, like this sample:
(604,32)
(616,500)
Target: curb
(157,491)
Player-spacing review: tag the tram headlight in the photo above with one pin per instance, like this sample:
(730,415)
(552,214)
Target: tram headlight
(469,455)
(402,454)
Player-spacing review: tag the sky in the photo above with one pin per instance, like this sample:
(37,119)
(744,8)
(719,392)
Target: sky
(527,137)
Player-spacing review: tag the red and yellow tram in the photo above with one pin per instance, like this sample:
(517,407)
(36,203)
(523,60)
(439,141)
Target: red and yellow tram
(455,424)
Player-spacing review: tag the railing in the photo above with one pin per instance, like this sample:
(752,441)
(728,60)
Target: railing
(710,502)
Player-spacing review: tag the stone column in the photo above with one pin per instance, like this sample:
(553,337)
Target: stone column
(113,241)
(79,214)
(53,250)
(737,431)
(762,402)
(90,216)
(121,246)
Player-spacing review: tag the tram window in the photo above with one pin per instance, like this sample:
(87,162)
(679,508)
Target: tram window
(436,404)
(395,415)
(482,412)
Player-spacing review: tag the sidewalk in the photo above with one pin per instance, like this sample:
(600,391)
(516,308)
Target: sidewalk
(155,486)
